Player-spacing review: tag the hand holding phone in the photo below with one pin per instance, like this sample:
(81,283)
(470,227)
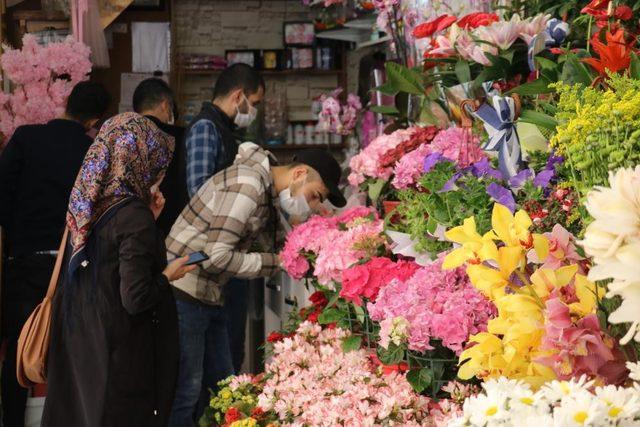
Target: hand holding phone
(197,258)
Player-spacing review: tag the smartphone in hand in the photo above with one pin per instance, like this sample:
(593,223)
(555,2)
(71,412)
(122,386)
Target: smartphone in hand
(197,258)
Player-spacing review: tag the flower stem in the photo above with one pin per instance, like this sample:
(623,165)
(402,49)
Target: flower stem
(529,286)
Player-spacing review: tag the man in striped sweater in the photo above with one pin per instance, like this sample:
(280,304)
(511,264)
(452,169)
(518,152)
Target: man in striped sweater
(224,219)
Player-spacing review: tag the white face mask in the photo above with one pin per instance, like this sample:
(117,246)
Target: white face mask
(244,120)
(295,206)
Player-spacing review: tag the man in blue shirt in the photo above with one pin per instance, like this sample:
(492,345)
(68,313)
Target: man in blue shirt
(212,337)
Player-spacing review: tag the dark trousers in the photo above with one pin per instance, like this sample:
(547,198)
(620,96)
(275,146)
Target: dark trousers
(24,286)
(236,303)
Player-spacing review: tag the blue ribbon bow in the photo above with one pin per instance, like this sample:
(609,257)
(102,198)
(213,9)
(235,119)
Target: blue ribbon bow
(503,137)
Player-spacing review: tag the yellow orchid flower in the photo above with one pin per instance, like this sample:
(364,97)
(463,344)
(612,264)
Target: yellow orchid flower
(474,247)
(588,294)
(545,280)
(493,282)
(513,230)
(484,359)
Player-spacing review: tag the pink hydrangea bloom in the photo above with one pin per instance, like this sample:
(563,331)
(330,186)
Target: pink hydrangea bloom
(39,94)
(311,381)
(318,235)
(438,304)
(455,143)
(366,164)
(345,249)
(410,167)
(458,145)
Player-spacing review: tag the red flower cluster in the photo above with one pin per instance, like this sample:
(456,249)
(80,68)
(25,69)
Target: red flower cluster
(441,23)
(232,415)
(401,367)
(419,137)
(602,11)
(318,303)
(366,280)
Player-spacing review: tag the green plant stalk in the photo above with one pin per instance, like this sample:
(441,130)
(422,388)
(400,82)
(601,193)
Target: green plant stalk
(529,286)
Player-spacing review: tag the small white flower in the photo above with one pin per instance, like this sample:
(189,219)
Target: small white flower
(555,391)
(581,408)
(487,409)
(621,403)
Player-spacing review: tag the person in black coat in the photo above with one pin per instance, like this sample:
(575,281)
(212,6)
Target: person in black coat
(37,170)
(113,355)
(153,99)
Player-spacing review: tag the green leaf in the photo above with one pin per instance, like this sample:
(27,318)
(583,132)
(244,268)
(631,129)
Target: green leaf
(536,87)
(539,119)
(575,72)
(385,109)
(359,313)
(463,72)
(508,55)
(386,89)
(546,64)
(376,188)
(634,71)
(330,315)
(404,79)
(351,343)
(420,379)
(334,299)
(392,355)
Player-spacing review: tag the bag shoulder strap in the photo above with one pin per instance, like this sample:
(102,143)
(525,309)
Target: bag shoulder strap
(53,283)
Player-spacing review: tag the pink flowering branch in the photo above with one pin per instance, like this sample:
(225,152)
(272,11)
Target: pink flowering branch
(42,78)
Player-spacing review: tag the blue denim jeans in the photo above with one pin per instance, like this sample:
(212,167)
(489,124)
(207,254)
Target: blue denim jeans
(205,359)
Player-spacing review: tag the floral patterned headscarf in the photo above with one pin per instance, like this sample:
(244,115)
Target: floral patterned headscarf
(127,157)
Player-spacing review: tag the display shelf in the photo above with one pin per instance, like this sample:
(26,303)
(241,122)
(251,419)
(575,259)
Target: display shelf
(291,147)
(362,45)
(306,72)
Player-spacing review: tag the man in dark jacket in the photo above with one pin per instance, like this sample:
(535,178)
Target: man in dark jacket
(153,99)
(212,146)
(37,170)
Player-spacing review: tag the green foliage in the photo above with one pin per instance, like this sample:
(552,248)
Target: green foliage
(423,211)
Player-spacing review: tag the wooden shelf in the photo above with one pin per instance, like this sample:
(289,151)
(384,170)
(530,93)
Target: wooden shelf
(306,72)
(292,147)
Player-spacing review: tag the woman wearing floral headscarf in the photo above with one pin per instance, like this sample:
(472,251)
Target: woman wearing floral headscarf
(113,352)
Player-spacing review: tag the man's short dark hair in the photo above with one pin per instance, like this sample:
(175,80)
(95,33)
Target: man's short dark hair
(88,101)
(150,93)
(238,76)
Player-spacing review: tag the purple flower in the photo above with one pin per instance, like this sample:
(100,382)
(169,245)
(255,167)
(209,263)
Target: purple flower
(543,179)
(517,181)
(554,160)
(431,160)
(483,168)
(501,195)
(451,184)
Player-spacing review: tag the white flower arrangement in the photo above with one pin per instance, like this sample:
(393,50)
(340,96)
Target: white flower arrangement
(511,403)
(613,240)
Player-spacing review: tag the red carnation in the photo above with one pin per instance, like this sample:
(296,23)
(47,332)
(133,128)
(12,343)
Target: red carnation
(313,317)
(232,415)
(427,29)
(318,299)
(275,337)
(623,12)
(478,19)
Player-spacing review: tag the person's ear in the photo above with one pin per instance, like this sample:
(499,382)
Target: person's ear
(299,171)
(90,123)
